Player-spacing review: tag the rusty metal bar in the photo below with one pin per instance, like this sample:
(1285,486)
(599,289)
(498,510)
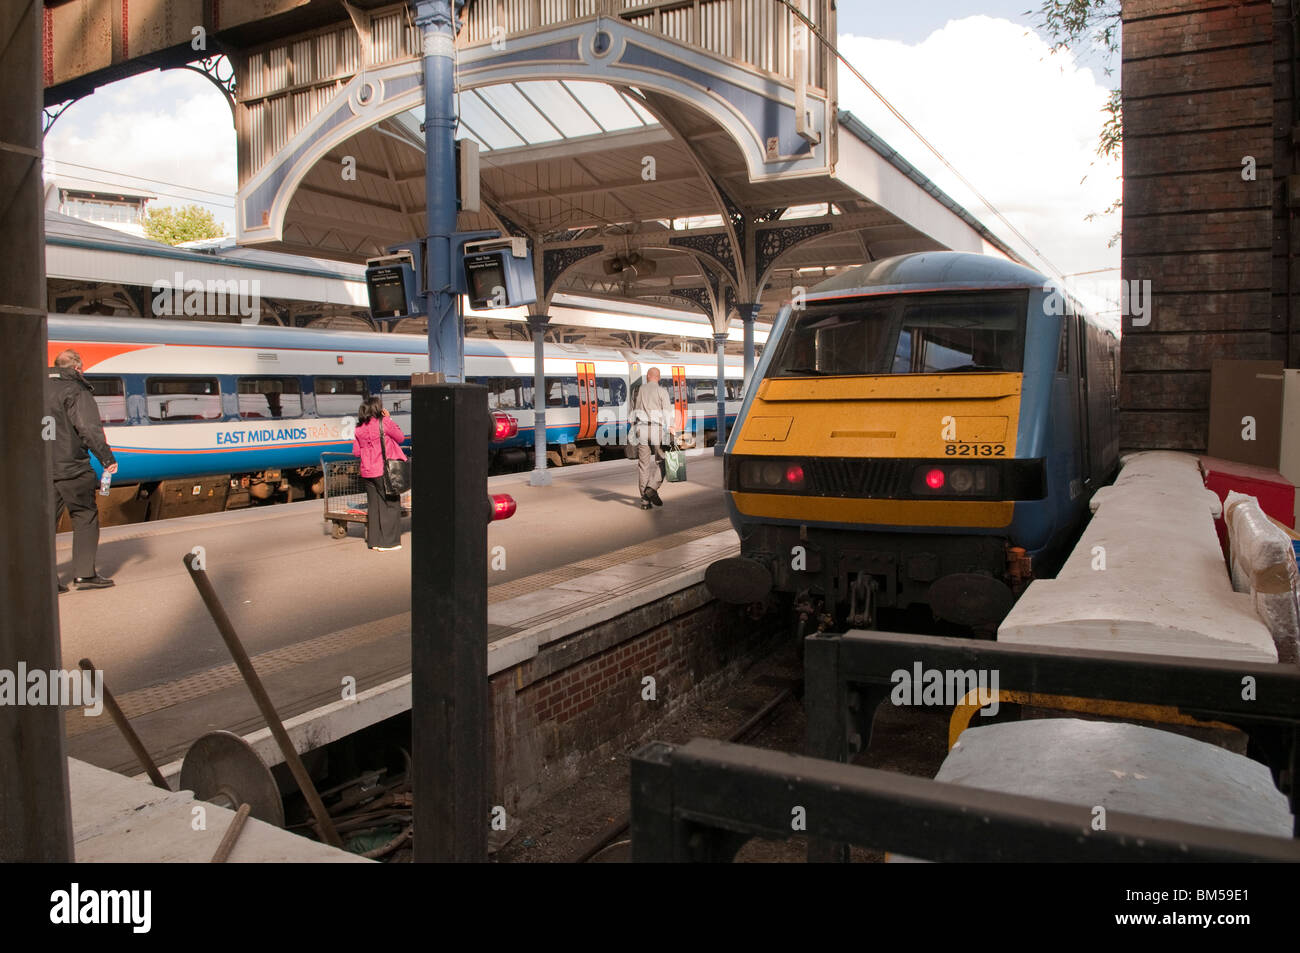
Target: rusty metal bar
(137,746)
(254,683)
(232,834)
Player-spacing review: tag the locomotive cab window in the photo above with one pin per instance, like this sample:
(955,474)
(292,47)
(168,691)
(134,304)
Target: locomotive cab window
(269,398)
(906,334)
(183,398)
(110,398)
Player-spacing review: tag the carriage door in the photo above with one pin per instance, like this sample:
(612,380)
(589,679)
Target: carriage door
(1080,328)
(679,398)
(587,400)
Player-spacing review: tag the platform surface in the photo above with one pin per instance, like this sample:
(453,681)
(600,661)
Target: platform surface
(313,611)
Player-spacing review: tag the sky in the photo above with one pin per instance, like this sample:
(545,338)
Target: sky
(974,78)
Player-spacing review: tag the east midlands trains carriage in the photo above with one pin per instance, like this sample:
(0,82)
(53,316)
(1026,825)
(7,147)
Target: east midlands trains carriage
(259,404)
(927,430)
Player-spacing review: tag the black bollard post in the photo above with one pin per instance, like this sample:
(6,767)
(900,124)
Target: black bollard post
(449,687)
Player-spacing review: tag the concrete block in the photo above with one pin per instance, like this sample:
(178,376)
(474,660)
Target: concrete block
(1146,576)
(124,820)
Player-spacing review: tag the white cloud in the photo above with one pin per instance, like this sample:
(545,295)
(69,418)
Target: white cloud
(1019,123)
(171,126)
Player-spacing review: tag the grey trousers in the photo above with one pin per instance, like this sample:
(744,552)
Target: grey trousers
(649,467)
(77,496)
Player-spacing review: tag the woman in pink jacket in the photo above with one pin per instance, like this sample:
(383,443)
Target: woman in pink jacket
(383,512)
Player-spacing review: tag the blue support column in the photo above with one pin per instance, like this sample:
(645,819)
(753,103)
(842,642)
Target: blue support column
(748,312)
(720,345)
(438,32)
(537,327)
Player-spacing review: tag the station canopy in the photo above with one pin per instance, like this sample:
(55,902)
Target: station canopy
(576,163)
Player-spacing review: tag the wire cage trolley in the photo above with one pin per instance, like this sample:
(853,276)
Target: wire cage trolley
(345,493)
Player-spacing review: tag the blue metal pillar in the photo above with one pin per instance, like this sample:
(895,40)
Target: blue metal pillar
(720,345)
(748,312)
(537,327)
(438,31)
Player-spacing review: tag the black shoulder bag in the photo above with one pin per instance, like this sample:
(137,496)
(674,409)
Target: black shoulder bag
(396,478)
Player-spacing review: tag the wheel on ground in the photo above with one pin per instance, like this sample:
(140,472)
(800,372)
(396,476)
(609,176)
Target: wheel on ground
(340,529)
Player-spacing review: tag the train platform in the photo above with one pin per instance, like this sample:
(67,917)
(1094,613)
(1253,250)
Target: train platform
(314,612)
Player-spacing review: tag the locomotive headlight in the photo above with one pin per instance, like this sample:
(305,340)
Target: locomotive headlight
(961,480)
(771,475)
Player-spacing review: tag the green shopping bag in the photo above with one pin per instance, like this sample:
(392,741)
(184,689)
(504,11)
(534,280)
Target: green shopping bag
(675,466)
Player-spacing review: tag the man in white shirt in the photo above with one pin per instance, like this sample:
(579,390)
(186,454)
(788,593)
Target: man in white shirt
(652,415)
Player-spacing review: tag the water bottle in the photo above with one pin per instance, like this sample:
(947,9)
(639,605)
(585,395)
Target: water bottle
(104,481)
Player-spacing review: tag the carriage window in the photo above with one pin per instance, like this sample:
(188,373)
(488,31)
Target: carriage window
(704,391)
(611,391)
(396,395)
(269,398)
(110,397)
(562,392)
(503,394)
(183,398)
(339,396)
(506,393)
(906,334)
(735,390)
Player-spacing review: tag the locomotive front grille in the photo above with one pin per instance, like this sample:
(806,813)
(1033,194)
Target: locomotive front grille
(884,479)
(887,478)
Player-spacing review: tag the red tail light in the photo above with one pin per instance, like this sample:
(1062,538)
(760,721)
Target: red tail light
(503,506)
(503,426)
(794,475)
(934,479)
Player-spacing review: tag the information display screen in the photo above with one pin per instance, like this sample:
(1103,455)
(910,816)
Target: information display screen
(484,275)
(388,291)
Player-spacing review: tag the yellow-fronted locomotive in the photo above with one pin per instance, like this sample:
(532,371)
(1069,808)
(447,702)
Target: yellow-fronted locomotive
(923,429)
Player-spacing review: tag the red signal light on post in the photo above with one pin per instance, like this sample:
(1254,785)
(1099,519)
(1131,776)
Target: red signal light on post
(503,426)
(934,479)
(502,505)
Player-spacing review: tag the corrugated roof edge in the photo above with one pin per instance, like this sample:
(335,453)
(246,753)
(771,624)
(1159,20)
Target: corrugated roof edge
(891,155)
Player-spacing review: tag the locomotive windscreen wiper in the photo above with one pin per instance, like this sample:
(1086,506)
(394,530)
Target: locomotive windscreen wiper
(804,370)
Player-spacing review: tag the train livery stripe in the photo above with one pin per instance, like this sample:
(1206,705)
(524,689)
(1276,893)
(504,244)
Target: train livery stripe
(92,353)
(239,449)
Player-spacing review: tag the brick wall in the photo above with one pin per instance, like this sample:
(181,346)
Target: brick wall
(1199,85)
(580,701)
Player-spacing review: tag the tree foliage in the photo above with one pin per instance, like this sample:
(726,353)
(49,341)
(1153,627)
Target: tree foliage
(1079,25)
(175,225)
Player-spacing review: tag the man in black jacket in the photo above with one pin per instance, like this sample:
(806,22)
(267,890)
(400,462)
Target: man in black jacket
(70,402)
